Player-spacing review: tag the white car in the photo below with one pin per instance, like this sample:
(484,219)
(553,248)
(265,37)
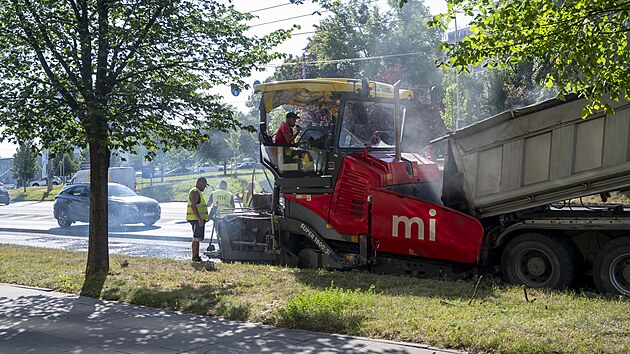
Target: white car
(44,182)
(206,167)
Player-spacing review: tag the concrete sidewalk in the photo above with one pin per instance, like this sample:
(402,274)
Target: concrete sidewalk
(36,320)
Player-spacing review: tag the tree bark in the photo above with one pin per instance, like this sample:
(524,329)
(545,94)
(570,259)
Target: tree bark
(98,245)
(98,136)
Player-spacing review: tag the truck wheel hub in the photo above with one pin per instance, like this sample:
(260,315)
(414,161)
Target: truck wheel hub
(536,266)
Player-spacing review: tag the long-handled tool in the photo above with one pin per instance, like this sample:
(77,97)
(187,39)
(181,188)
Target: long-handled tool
(211,246)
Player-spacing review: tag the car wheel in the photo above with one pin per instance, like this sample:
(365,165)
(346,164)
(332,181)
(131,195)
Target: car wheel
(7,202)
(63,218)
(148,223)
(35,185)
(202,171)
(55,184)
(112,222)
(539,261)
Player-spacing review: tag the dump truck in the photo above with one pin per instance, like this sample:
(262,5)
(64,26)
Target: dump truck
(494,197)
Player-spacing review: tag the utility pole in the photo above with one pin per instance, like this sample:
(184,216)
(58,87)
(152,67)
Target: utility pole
(63,168)
(457,79)
(50,175)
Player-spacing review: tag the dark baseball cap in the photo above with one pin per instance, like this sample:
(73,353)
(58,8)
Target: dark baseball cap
(292,115)
(202,179)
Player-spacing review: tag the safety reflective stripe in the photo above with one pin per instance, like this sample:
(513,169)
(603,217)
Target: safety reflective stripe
(202,207)
(221,199)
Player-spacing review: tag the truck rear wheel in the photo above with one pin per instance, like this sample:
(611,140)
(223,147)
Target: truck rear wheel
(539,261)
(611,270)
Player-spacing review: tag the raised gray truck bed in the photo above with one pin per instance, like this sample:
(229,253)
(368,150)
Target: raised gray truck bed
(535,156)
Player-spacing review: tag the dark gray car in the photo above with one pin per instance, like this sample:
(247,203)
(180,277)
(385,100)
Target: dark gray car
(125,206)
(4,196)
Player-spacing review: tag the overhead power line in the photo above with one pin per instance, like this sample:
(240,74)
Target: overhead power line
(290,3)
(270,7)
(318,12)
(333,61)
(302,33)
(289,18)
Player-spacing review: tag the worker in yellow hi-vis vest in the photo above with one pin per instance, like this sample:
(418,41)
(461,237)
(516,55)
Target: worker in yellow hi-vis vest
(222,199)
(246,198)
(197,215)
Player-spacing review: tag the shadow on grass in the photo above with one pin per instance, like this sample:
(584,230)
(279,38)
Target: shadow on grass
(396,284)
(201,300)
(19,198)
(93,285)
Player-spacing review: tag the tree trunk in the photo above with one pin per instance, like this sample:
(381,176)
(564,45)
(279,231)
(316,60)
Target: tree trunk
(98,134)
(98,248)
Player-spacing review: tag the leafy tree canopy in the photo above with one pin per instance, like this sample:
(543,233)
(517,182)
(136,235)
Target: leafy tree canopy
(65,164)
(144,67)
(584,43)
(113,74)
(24,163)
(359,39)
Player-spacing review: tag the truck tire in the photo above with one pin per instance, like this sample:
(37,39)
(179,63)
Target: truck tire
(611,270)
(539,261)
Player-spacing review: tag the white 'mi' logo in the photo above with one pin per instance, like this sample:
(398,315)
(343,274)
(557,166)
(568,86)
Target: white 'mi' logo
(396,220)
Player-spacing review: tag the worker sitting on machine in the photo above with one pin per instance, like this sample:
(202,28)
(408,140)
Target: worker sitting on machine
(286,133)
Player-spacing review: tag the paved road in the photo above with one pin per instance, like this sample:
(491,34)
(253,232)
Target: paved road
(32,223)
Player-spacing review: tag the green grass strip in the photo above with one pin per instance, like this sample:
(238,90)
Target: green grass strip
(439,313)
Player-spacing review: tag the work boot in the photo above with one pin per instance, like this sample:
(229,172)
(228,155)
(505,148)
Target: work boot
(196,258)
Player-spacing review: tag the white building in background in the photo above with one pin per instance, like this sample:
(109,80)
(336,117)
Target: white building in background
(6,176)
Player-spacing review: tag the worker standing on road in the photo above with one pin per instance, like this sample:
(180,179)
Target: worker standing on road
(197,215)
(223,199)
